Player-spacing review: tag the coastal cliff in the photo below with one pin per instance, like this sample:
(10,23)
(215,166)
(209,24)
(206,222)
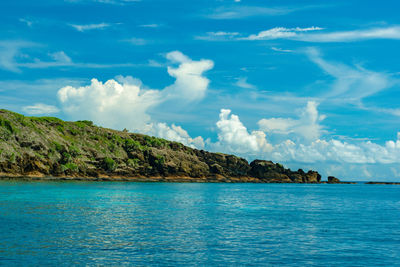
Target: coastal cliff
(49,148)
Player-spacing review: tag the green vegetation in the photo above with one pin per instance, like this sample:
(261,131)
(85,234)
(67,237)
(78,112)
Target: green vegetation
(132,163)
(132,145)
(155,142)
(51,120)
(49,146)
(109,164)
(7,125)
(160,160)
(69,166)
(83,124)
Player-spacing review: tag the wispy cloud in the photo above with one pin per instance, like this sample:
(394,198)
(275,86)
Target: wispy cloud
(309,34)
(277,49)
(110,2)
(12,59)
(242,83)
(239,12)
(137,41)
(28,23)
(152,25)
(217,36)
(40,109)
(88,27)
(9,51)
(280,33)
(352,83)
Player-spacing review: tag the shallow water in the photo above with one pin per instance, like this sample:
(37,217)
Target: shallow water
(110,223)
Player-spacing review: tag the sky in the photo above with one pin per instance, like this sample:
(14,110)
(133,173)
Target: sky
(310,84)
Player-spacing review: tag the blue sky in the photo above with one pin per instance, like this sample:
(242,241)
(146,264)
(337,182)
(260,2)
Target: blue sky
(311,84)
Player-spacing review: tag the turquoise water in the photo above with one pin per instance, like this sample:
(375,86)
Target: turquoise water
(110,223)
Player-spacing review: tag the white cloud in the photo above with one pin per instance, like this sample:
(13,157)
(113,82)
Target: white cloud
(307,126)
(308,34)
(280,33)
(190,84)
(359,159)
(126,103)
(174,133)
(88,27)
(153,25)
(233,136)
(277,49)
(239,12)
(112,104)
(40,109)
(218,36)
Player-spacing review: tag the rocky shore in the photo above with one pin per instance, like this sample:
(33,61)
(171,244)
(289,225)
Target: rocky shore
(51,149)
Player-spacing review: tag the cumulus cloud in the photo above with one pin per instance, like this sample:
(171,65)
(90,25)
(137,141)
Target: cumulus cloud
(40,109)
(174,133)
(306,126)
(190,84)
(112,104)
(365,152)
(233,136)
(125,102)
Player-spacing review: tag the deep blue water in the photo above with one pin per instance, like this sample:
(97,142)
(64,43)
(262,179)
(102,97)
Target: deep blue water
(110,223)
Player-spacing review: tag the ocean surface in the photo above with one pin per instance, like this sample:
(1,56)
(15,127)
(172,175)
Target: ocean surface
(172,224)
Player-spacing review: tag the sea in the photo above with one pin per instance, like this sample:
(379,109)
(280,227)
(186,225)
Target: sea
(198,224)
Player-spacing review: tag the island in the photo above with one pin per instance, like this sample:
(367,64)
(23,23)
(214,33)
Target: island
(52,149)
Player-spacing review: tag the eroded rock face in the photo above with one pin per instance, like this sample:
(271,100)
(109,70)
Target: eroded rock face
(52,147)
(275,172)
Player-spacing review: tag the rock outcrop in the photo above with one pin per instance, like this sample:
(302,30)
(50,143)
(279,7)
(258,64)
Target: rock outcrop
(49,148)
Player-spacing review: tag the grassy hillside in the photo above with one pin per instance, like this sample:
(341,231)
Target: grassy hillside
(50,147)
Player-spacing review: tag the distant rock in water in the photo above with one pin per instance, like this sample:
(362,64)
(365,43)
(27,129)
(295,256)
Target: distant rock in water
(49,148)
(333,180)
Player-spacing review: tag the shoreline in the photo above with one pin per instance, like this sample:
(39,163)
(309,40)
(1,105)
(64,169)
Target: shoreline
(159,179)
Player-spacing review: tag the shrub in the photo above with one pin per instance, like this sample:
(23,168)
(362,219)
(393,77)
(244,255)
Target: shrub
(160,160)
(109,164)
(84,123)
(74,151)
(132,145)
(7,125)
(132,162)
(58,147)
(155,142)
(70,166)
